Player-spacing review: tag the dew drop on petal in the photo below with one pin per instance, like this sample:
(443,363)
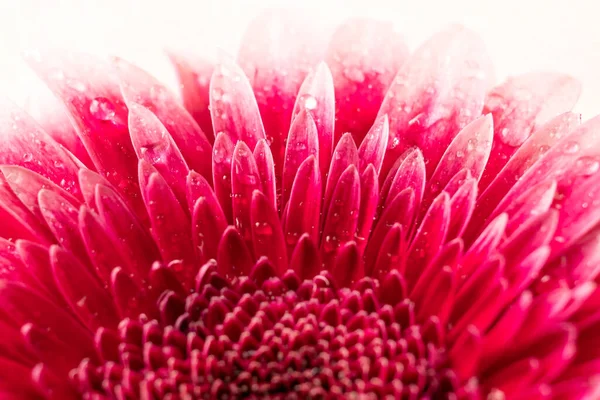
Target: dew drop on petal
(571,147)
(587,166)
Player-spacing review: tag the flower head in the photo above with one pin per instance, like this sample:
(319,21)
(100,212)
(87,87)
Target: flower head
(375,224)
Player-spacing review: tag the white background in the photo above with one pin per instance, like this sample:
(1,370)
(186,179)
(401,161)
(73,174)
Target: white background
(521,35)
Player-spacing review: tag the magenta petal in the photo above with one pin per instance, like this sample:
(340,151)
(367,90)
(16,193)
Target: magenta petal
(62,219)
(369,199)
(316,96)
(153,144)
(277,51)
(348,266)
(303,209)
(222,156)
(437,92)
(439,296)
(25,144)
(344,155)
(430,235)
(391,252)
(83,291)
(232,105)
(88,180)
(138,87)
(537,200)
(469,150)
(133,238)
(233,257)
(521,105)
(244,180)
(485,244)
(538,144)
(267,236)
(194,76)
(373,147)
(52,387)
(409,172)
(364,56)
(266,170)
(342,215)
(126,294)
(208,219)
(401,210)
(302,142)
(17,303)
(98,114)
(462,204)
(305,260)
(97,239)
(170,224)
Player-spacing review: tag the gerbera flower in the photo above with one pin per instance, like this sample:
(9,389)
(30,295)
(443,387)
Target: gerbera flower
(347,223)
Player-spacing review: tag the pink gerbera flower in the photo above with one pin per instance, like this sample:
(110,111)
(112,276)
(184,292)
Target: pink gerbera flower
(339,222)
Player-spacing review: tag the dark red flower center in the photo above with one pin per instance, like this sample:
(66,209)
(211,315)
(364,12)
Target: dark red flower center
(268,337)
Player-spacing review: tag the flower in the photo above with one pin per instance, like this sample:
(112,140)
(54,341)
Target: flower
(302,229)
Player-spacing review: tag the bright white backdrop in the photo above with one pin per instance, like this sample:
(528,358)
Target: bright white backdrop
(521,35)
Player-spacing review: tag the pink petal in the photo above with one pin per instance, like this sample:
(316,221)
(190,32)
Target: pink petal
(372,149)
(244,180)
(208,219)
(266,170)
(469,150)
(302,142)
(232,105)
(401,210)
(222,155)
(126,295)
(484,245)
(409,172)
(51,350)
(194,76)
(430,236)
(520,106)
(98,113)
(277,51)
(138,87)
(153,144)
(233,257)
(170,224)
(132,237)
(535,201)
(316,97)
(83,291)
(527,155)
(469,343)
(364,56)
(342,216)
(439,295)
(97,239)
(303,210)
(267,236)
(391,252)
(25,144)
(305,259)
(462,204)
(62,219)
(437,92)
(88,180)
(347,268)
(344,155)
(369,198)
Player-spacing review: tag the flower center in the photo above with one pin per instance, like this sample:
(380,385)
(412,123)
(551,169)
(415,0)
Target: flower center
(267,336)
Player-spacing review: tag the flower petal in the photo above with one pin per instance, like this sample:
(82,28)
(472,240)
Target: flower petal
(267,236)
(232,105)
(194,76)
(437,92)
(25,144)
(222,156)
(316,97)
(305,259)
(369,199)
(302,142)
(364,56)
(99,115)
(344,155)
(233,257)
(409,172)
(348,265)
(372,149)
(277,51)
(266,170)
(153,144)
(519,106)
(302,215)
(244,180)
(138,87)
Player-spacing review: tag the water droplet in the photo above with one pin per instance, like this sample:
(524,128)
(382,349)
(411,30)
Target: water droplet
(354,74)
(571,147)
(310,103)
(587,166)
(102,109)
(27,157)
